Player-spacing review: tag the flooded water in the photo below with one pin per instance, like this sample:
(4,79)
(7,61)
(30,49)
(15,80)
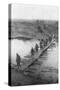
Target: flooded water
(50,57)
(21,47)
(49,68)
(46,69)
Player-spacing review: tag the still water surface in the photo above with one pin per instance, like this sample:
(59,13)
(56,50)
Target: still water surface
(50,58)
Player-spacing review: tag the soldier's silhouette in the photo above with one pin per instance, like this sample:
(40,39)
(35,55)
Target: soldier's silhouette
(32,51)
(18,60)
(41,44)
(36,47)
(46,42)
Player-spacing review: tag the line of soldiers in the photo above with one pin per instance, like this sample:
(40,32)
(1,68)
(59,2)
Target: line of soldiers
(41,45)
(34,50)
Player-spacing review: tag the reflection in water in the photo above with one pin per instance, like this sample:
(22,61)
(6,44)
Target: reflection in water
(51,58)
(47,66)
(23,48)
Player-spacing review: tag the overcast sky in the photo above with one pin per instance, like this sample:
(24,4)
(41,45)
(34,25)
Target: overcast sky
(21,11)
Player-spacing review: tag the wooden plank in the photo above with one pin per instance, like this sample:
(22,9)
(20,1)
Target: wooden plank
(35,57)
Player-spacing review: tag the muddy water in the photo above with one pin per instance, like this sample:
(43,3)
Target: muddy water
(21,47)
(48,68)
(51,57)
(47,65)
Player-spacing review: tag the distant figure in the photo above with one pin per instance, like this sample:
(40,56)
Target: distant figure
(36,47)
(18,60)
(41,44)
(46,42)
(32,51)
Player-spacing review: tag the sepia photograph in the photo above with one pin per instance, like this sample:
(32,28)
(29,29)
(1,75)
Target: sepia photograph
(33,44)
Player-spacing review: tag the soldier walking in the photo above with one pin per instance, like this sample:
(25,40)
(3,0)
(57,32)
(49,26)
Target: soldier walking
(36,47)
(18,60)
(32,51)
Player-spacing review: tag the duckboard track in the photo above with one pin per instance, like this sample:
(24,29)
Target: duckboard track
(34,58)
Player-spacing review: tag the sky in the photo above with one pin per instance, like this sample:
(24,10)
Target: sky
(30,12)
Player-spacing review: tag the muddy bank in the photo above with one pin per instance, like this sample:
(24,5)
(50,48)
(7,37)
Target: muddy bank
(32,77)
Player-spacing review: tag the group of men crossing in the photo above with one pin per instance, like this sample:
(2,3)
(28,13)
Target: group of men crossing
(41,45)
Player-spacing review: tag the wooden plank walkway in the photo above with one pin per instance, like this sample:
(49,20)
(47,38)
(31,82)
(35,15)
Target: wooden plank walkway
(34,58)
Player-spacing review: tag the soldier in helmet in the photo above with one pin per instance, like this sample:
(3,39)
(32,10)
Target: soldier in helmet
(32,51)
(18,60)
(46,42)
(36,47)
(41,44)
